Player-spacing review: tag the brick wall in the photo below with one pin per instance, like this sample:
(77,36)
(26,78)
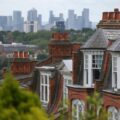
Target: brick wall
(111,99)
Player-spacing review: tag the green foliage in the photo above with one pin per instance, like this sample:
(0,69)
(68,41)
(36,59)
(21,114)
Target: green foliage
(95,110)
(19,104)
(80,36)
(42,38)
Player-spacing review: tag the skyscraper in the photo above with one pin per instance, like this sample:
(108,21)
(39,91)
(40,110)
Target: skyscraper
(3,22)
(39,22)
(71,20)
(32,15)
(78,22)
(85,15)
(9,25)
(51,17)
(30,26)
(17,21)
(61,17)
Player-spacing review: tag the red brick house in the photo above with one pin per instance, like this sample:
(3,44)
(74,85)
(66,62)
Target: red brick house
(20,62)
(52,75)
(74,72)
(98,62)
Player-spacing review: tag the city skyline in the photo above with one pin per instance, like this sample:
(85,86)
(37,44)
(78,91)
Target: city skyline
(96,7)
(34,21)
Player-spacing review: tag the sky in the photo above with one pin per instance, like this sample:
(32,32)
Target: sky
(59,6)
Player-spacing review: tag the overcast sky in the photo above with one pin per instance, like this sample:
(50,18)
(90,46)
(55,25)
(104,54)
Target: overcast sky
(44,6)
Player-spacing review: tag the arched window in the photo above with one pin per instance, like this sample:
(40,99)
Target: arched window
(113,113)
(78,107)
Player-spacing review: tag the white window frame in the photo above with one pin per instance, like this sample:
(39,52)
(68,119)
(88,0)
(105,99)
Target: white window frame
(78,108)
(44,87)
(89,66)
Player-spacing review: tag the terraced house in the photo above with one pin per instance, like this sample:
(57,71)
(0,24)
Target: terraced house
(73,71)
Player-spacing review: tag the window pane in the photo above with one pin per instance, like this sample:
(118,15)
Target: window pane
(42,92)
(46,93)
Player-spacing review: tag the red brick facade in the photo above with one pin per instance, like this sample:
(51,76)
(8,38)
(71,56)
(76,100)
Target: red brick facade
(25,67)
(111,99)
(60,48)
(110,20)
(21,64)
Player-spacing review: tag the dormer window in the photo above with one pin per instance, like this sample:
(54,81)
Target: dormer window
(44,88)
(92,66)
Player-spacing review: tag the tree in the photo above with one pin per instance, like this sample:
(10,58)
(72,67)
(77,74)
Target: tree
(95,111)
(19,104)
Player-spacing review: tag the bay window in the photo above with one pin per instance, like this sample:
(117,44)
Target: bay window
(92,66)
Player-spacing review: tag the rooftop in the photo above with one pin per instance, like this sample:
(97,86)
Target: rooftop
(100,38)
(97,40)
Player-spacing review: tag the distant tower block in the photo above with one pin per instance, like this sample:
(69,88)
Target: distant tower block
(60,26)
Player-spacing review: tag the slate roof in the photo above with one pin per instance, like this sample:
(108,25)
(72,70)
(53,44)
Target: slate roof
(115,46)
(112,34)
(97,40)
(100,38)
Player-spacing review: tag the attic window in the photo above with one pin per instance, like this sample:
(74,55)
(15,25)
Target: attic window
(92,66)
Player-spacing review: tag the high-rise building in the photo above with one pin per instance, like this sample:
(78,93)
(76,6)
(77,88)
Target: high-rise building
(3,22)
(9,20)
(60,25)
(39,22)
(17,21)
(32,15)
(71,20)
(9,25)
(86,21)
(61,17)
(31,26)
(78,22)
(51,17)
